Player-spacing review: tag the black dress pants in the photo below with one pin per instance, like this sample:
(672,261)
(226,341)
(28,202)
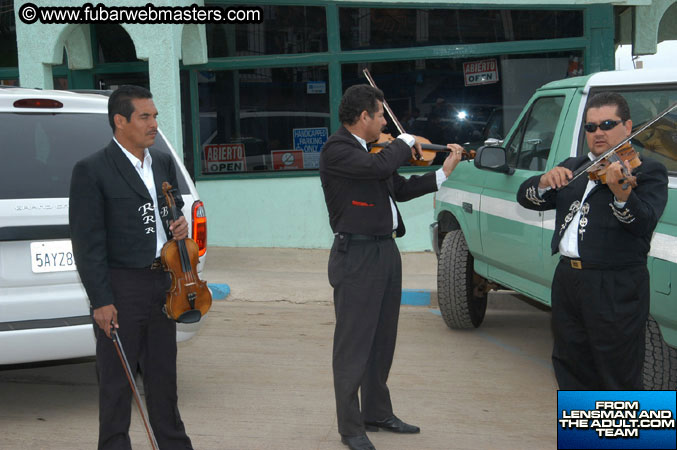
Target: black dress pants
(599,324)
(149,340)
(367,281)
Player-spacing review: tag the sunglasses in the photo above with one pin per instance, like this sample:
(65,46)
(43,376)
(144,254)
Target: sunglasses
(604,126)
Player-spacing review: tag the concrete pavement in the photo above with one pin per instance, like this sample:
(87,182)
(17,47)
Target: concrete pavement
(258,374)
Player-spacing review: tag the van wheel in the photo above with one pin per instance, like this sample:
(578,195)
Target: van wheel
(660,360)
(456,280)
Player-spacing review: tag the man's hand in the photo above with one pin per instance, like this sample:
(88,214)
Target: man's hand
(614,175)
(417,152)
(556,178)
(103,317)
(451,161)
(179,228)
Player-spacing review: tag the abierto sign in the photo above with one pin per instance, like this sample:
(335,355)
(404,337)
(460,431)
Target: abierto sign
(224,158)
(480,72)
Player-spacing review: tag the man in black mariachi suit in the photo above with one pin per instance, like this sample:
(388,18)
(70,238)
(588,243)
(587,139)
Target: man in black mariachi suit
(118,227)
(365,269)
(600,290)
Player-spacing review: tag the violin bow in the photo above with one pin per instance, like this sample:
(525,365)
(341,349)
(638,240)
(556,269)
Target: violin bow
(397,123)
(130,377)
(590,165)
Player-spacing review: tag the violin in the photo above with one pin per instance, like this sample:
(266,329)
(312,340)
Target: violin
(623,153)
(189,298)
(428,149)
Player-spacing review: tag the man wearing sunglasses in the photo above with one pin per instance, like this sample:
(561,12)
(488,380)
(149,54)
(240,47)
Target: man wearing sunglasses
(600,290)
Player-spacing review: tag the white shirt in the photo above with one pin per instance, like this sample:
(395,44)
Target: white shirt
(145,171)
(409,140)
(568,245)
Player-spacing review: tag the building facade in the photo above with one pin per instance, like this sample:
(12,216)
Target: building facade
(250,104)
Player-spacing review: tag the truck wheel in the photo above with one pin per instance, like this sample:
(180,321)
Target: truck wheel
(456,280)
(660,360)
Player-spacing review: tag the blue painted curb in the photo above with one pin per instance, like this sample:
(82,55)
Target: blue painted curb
(219,291)
(417,297)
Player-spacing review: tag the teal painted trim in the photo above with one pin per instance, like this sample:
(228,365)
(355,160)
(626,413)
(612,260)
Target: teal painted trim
(417,4)
(394,54)
(599,28)
(9,72)
(80,79)
(335,76)
(447,51)
(125,67)
(60,71)
(255,62)
(195,121)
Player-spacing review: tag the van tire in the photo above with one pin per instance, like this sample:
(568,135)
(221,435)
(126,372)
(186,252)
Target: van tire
(455,275)
(660,360)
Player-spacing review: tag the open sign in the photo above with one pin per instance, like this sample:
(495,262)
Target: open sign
(224,158)
(480,72)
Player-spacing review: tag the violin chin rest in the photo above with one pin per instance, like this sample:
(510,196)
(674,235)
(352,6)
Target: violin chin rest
(190,316)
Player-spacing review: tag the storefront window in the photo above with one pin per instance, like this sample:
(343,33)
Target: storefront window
(461,100)
(370,28)
(8,50)
(114,44)
(286,29)
(256,120)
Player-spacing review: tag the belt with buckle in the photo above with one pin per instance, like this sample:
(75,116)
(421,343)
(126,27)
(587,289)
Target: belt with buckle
(578,264)
(156,265)
(370,237)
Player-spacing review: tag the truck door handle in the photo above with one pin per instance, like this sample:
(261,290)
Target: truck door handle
(467,207)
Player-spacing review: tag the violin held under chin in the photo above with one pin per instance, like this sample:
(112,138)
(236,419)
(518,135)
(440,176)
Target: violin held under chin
(428,149)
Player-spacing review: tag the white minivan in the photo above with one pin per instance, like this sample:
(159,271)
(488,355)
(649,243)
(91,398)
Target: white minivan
(44,310)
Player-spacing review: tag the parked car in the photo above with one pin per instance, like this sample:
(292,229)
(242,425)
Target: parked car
(44,310)
(485,240)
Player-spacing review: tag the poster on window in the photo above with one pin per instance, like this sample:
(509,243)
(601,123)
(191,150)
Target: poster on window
(480,72)
(310,142)
(287,159)
(224,158)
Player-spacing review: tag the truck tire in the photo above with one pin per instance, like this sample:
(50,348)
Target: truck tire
(660,360)
(455,284)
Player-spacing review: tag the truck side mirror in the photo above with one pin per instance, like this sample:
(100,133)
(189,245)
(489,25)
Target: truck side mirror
(494,159)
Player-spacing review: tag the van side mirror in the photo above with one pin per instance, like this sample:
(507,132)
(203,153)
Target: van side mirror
(494,159)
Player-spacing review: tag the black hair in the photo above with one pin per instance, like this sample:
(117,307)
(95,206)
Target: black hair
(120,102)
(358,98)
(609,99)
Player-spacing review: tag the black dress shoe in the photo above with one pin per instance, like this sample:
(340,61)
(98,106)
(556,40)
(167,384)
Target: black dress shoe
(391,424)
(360,442)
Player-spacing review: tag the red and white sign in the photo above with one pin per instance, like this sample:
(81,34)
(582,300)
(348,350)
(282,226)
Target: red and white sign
(287,159)
(480,72)
(224,158)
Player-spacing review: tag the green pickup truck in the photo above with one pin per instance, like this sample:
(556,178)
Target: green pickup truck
(485,240)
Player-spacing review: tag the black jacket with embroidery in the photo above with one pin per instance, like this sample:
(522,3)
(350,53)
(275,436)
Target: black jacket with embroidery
(357,185)
(111,216)
(612,236)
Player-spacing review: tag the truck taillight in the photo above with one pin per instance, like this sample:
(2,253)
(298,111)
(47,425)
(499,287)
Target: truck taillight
(200,227)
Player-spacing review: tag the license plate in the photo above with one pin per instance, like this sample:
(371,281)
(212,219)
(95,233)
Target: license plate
(52,256)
